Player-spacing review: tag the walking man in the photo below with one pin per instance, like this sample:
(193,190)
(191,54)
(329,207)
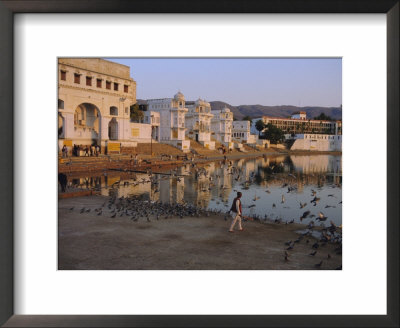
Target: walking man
(236,212)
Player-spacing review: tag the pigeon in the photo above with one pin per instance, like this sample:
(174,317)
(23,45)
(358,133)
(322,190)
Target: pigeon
(305,214)
(318,265)
(321,217)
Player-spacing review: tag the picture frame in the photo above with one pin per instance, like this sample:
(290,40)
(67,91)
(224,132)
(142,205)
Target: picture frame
(7,10)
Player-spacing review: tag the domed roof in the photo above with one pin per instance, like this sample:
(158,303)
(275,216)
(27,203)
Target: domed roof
(226,110)
(179,96)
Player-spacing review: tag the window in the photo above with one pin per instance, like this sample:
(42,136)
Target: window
(115,86)
(126,88)
(114,111)
(77,78)
(60,104)
(89,80)
(98,83)
(108,85)
(63,75)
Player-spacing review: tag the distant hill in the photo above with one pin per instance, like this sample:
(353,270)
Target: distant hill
(255,111)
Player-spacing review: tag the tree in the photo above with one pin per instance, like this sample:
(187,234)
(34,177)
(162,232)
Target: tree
(260,126)
(274,134)
(323,117)
(248,118)
(136,114)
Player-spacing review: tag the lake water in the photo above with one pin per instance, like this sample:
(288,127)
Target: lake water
(273,187)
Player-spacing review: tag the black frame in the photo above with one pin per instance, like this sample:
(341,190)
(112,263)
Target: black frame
(7,10)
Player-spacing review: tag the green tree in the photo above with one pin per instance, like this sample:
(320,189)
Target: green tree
(274,134)
(260,126)
(136,114)
(323,117)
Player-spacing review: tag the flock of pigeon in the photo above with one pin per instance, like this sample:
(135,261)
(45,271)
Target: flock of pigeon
(137,208)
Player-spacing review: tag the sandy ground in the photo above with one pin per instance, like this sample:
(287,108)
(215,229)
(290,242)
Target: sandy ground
(88,242)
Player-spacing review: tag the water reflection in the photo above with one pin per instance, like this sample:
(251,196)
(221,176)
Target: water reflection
(275,187)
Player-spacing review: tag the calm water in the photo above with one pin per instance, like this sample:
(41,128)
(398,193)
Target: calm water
(272,187)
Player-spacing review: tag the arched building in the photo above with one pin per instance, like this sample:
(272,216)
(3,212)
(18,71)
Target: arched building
(94,99)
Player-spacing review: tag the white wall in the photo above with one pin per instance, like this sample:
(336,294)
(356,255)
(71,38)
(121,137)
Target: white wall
(140,132)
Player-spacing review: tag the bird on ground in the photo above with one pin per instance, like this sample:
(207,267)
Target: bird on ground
(303,205)
(71,209)
(315,245)
(313,253)
(318,265)
(283,199)
(290,247)
(113,216)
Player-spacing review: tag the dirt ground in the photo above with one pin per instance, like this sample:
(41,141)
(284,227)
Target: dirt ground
(89,241)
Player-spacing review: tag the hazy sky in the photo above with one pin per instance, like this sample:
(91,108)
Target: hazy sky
(298,82)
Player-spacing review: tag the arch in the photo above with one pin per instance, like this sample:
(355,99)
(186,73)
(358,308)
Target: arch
(61,126)
(87,121)
(114,111)
(60,104)
(113,129)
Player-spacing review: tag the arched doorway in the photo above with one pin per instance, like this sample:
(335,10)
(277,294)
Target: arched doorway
(113,129)
(87,123)
(61,126)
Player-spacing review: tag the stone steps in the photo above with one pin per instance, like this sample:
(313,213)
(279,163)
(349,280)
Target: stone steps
(157,149)
(200,149)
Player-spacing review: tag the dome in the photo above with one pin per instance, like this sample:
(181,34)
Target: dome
(226,110)
(179,96)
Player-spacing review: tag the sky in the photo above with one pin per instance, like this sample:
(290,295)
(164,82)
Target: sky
(240,81)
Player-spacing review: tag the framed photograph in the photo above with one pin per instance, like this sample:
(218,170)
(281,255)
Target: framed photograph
(195,167)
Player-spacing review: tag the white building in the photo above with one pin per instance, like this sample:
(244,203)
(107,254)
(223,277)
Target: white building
(172,120)
(198,122)
(94,97)
(221,126)
(241,132)
(316,142)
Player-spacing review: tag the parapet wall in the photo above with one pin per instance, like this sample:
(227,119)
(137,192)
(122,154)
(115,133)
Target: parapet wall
(317,145)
